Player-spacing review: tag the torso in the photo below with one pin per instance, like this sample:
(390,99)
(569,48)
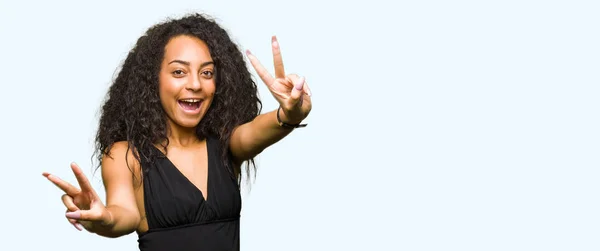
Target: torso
(192,162)
(188,201)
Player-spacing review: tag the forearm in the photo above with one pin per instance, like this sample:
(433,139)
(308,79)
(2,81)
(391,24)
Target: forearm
(122,222)
(252,138)
(265,130)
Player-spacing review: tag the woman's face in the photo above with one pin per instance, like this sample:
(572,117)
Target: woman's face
(186,81)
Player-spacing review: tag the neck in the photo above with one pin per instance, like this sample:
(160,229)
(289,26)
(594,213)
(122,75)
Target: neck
(181,137)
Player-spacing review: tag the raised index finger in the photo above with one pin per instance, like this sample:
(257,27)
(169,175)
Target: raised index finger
(277,59)
(63,185)
(83,181)
(260,69)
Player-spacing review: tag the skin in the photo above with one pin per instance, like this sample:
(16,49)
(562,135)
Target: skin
(186,72)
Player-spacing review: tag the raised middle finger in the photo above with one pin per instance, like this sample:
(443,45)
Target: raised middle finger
(277,59)
(84,183)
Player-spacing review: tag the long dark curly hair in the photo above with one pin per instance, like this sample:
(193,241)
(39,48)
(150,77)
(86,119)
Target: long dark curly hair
(132,110)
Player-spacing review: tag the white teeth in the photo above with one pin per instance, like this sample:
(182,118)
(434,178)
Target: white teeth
(191,100)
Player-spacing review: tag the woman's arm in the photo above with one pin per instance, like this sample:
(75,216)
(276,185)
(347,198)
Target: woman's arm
(293,96)
(250,139)
(120,196)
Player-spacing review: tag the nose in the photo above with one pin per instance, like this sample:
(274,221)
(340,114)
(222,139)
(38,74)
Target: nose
(194,84)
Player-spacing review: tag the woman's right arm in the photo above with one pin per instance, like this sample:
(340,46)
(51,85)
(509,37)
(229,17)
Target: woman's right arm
(120,195)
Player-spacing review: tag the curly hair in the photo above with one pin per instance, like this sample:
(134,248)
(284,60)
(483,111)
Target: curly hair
(132,109)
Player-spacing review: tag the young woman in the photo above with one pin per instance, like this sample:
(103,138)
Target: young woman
(179,122)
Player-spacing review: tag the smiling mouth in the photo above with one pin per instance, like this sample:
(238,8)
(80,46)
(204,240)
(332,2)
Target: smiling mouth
(190,104)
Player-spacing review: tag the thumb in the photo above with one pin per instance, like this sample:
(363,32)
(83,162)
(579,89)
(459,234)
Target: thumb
(86,215)
(297,91)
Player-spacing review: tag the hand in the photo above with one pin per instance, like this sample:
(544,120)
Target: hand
(84,207)
(291,91)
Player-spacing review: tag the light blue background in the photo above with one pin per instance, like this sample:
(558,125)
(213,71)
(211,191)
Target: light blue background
(437,125)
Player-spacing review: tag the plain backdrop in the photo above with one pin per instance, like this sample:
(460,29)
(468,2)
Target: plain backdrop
(436,125)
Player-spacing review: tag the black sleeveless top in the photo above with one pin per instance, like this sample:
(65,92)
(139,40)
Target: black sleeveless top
(179,218)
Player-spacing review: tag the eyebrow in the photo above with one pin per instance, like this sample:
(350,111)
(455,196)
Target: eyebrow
(188,63)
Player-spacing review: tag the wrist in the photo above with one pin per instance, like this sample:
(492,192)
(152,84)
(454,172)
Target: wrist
(283,117)
(105,224)
(284,121)
(109,219)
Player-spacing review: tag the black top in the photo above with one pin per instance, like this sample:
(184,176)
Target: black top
(179,218)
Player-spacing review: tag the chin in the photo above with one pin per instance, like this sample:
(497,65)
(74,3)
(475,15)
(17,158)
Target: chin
(187,123)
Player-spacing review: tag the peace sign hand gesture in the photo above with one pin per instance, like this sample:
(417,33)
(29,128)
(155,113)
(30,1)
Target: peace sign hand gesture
(291,91)
(84,207)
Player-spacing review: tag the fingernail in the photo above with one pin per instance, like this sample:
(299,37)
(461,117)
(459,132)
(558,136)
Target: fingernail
(78,226)
(300,84)
(275,43)
(248,52)
(73,215)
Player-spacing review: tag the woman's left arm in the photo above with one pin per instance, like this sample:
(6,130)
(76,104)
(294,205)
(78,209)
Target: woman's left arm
(292,94)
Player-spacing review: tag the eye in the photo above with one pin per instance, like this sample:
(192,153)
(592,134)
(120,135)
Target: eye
(178,73)
(207,74)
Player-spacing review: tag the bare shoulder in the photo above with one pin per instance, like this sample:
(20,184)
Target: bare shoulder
(119,149)
(119,161)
